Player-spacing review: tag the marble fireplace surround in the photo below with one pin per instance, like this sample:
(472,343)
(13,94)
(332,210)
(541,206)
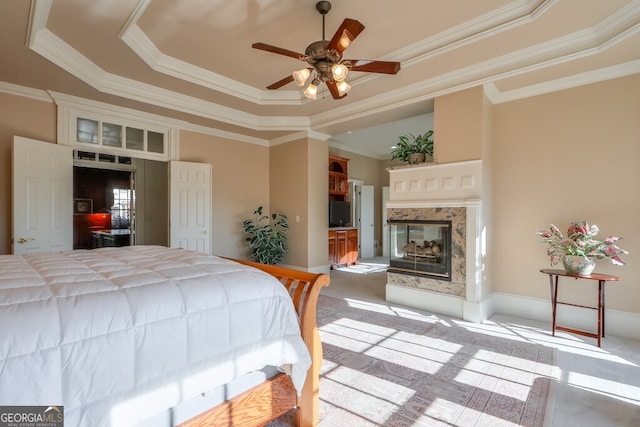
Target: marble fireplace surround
(447,191)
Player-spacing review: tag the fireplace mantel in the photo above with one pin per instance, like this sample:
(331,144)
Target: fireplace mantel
(448,182)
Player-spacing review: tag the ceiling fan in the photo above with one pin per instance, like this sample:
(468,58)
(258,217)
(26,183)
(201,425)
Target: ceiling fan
(325,59)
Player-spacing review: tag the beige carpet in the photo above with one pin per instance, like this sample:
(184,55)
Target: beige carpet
(387,366)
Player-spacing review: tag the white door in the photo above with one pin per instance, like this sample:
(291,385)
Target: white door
(42,197)
(190,205)
(367,242)
(385,226)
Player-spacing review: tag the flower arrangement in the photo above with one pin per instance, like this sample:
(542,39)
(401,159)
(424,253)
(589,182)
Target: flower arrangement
(580,241)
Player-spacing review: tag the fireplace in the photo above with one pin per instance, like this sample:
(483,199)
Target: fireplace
(437,205)
(420,247)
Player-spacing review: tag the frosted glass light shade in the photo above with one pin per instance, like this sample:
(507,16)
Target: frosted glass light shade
(343,87)
(301,76)
(339,72)
(311,91)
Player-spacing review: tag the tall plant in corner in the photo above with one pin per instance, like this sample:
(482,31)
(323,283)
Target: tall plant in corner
(267,236)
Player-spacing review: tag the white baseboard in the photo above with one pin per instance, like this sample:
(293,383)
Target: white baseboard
(618,323)
(322,269)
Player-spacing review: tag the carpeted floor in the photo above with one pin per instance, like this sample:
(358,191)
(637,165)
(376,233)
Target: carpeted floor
(388,366)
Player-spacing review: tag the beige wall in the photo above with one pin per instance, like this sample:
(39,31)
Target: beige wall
(570,155)
(318,161)
(240,183)
(299,188)
(458,124)
(22,117)
(289,194)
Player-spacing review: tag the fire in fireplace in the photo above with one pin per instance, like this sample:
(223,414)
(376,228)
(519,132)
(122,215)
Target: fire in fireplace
(420,247)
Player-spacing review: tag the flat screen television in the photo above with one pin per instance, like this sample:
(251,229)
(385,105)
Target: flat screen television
(339,213)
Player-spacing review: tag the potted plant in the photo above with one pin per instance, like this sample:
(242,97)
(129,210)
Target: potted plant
(414,149)
(580,248)
(267,237)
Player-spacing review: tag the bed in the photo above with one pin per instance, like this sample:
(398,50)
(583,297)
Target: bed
(127,336)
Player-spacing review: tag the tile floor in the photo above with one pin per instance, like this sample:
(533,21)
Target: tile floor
(597,387)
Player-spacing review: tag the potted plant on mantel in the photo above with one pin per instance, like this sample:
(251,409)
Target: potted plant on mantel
(414,149)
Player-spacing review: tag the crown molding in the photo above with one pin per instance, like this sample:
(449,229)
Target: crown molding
(619,26)
(141,45)
(613,29)
(350,149)
(300,135)
(51,47)
(496,96)
(25,92)
(508,17)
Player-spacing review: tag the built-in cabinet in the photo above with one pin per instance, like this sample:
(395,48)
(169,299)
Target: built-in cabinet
(338,178)
(343,246)
(343,241)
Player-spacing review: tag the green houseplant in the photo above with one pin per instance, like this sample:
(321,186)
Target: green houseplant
(267,236)
(409,145)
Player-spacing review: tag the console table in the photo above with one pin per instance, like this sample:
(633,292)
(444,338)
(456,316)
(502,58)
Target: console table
(553,284)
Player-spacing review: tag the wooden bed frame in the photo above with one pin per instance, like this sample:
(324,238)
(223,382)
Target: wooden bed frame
(273,398)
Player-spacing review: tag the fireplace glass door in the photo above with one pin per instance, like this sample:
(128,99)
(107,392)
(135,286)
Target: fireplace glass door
(420,247)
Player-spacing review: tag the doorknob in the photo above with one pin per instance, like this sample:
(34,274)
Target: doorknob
(22,240)
(204,232)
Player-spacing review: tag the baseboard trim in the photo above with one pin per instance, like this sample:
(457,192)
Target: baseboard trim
(618,323)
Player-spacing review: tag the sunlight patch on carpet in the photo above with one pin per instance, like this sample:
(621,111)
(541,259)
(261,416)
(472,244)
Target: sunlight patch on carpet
(363,268)
(384,369)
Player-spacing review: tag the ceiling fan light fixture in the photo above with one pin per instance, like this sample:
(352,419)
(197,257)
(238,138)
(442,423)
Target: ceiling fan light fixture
(324,59)
(343,87)
(339,72)
(301,76)
(311,91)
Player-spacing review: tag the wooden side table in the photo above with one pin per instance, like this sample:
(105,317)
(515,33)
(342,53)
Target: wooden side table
(553,285)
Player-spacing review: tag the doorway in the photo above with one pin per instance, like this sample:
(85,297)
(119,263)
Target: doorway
(131,203)
(104,207)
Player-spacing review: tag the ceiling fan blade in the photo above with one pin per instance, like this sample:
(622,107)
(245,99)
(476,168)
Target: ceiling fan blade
(348,31)
(334,90)
(278,50)
(383,67)
(281,83)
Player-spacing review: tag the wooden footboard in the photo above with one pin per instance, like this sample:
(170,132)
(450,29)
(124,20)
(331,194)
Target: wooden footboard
(273,398)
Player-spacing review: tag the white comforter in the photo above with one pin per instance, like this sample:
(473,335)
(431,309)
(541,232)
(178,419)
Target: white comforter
(117,334)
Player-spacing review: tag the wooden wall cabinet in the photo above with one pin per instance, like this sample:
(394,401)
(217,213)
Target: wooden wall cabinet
(338,178)
(343,246)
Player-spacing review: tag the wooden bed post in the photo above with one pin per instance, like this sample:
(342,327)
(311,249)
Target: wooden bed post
(304,288)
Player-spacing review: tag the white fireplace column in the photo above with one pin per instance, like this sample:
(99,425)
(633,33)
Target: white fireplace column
(454,185)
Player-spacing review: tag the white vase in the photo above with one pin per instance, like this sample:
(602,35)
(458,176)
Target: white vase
(578,265)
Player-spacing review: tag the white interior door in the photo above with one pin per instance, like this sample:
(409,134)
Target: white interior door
(42,197)
(190,205)
(367,242)
(385,226)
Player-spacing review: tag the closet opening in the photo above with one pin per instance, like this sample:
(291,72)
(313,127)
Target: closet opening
(120,207)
